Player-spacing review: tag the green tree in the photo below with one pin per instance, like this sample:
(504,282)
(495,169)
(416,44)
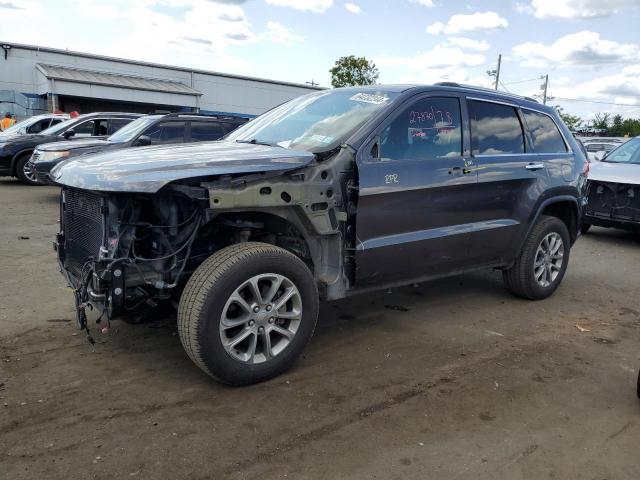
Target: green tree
(616,129)
(602,120)
(351,70)
(571,121)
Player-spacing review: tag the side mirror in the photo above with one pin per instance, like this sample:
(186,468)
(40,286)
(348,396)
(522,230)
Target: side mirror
(69,133)
(143,141)
(599,156)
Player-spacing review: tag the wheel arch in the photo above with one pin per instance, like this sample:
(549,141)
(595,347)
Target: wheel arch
(289,229)
(563,207)
(16,156)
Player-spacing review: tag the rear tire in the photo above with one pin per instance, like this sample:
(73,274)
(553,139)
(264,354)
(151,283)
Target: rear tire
(25,176)
(232,320)
(539,269)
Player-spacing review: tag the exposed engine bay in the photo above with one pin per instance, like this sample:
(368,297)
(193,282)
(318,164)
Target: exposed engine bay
(612,202)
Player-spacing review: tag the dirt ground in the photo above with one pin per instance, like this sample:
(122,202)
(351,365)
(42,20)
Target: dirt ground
(454,379)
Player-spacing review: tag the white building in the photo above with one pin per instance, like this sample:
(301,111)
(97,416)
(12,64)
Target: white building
(36,79)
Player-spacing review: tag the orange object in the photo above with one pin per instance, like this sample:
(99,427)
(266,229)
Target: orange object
(6,122)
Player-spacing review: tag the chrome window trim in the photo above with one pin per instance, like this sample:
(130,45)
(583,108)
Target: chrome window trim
(500,102)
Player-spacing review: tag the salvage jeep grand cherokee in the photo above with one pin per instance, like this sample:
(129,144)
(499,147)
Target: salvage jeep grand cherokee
(331,194)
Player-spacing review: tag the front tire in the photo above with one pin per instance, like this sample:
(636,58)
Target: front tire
(539,269)
(247,312)
(23,172)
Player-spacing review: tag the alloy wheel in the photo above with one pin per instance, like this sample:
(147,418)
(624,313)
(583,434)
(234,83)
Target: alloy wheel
(548,260)
(261,318)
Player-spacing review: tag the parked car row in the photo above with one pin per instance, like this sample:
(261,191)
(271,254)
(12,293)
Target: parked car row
(598,147)
(173,128)
(29,153)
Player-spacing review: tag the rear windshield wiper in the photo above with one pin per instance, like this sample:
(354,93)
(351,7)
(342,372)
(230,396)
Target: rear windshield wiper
(255,141)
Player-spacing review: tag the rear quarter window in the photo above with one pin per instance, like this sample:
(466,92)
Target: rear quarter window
(544,133)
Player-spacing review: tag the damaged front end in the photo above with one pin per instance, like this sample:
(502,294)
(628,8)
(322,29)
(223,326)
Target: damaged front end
(612,204)
(124,253)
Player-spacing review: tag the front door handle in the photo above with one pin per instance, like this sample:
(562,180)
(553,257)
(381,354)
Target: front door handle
(535,166)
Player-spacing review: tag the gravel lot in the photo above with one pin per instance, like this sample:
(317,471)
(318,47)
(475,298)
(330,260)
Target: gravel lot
(454,379)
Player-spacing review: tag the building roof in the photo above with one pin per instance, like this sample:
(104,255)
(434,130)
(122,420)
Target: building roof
(157,65)
(95,77)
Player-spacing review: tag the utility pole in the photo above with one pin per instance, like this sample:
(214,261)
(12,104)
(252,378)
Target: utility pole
(544,89)
(498,70)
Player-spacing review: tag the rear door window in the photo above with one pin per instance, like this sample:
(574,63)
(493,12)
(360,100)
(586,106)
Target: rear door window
(544,133)
(495,129)
(206,131)
(166,132)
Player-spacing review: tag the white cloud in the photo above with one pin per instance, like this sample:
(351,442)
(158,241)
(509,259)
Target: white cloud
(469,23)
(188,33)
(622,88)
(352,8)
(579,8)
(463,42)
(425,3)
(315,6)
(278,33)
(584,48)
(441,63)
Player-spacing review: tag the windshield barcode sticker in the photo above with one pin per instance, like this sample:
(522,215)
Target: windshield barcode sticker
(369,98)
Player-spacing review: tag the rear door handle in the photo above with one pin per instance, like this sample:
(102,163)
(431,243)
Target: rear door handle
(535,166)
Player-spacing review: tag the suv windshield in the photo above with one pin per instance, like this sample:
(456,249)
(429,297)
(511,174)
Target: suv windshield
(132,130)
(627,153)
(316,122)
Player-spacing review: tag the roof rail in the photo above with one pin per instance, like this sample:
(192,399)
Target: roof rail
(204,115)
(484,89)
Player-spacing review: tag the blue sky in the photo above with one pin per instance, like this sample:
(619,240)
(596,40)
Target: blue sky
(589,48)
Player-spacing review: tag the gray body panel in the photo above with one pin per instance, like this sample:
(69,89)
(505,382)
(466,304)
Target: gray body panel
(148,169)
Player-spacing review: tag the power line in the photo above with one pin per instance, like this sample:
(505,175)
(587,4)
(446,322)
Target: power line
(596,101)
(523,81)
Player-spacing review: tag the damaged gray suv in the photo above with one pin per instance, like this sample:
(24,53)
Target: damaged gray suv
(331,194)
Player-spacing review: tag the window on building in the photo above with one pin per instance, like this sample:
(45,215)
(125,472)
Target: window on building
(495,129)
(429,128)
(544,132)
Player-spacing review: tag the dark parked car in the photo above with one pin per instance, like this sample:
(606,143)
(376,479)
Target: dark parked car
(333,193)
(148,130)
(613,189)
(15,151)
